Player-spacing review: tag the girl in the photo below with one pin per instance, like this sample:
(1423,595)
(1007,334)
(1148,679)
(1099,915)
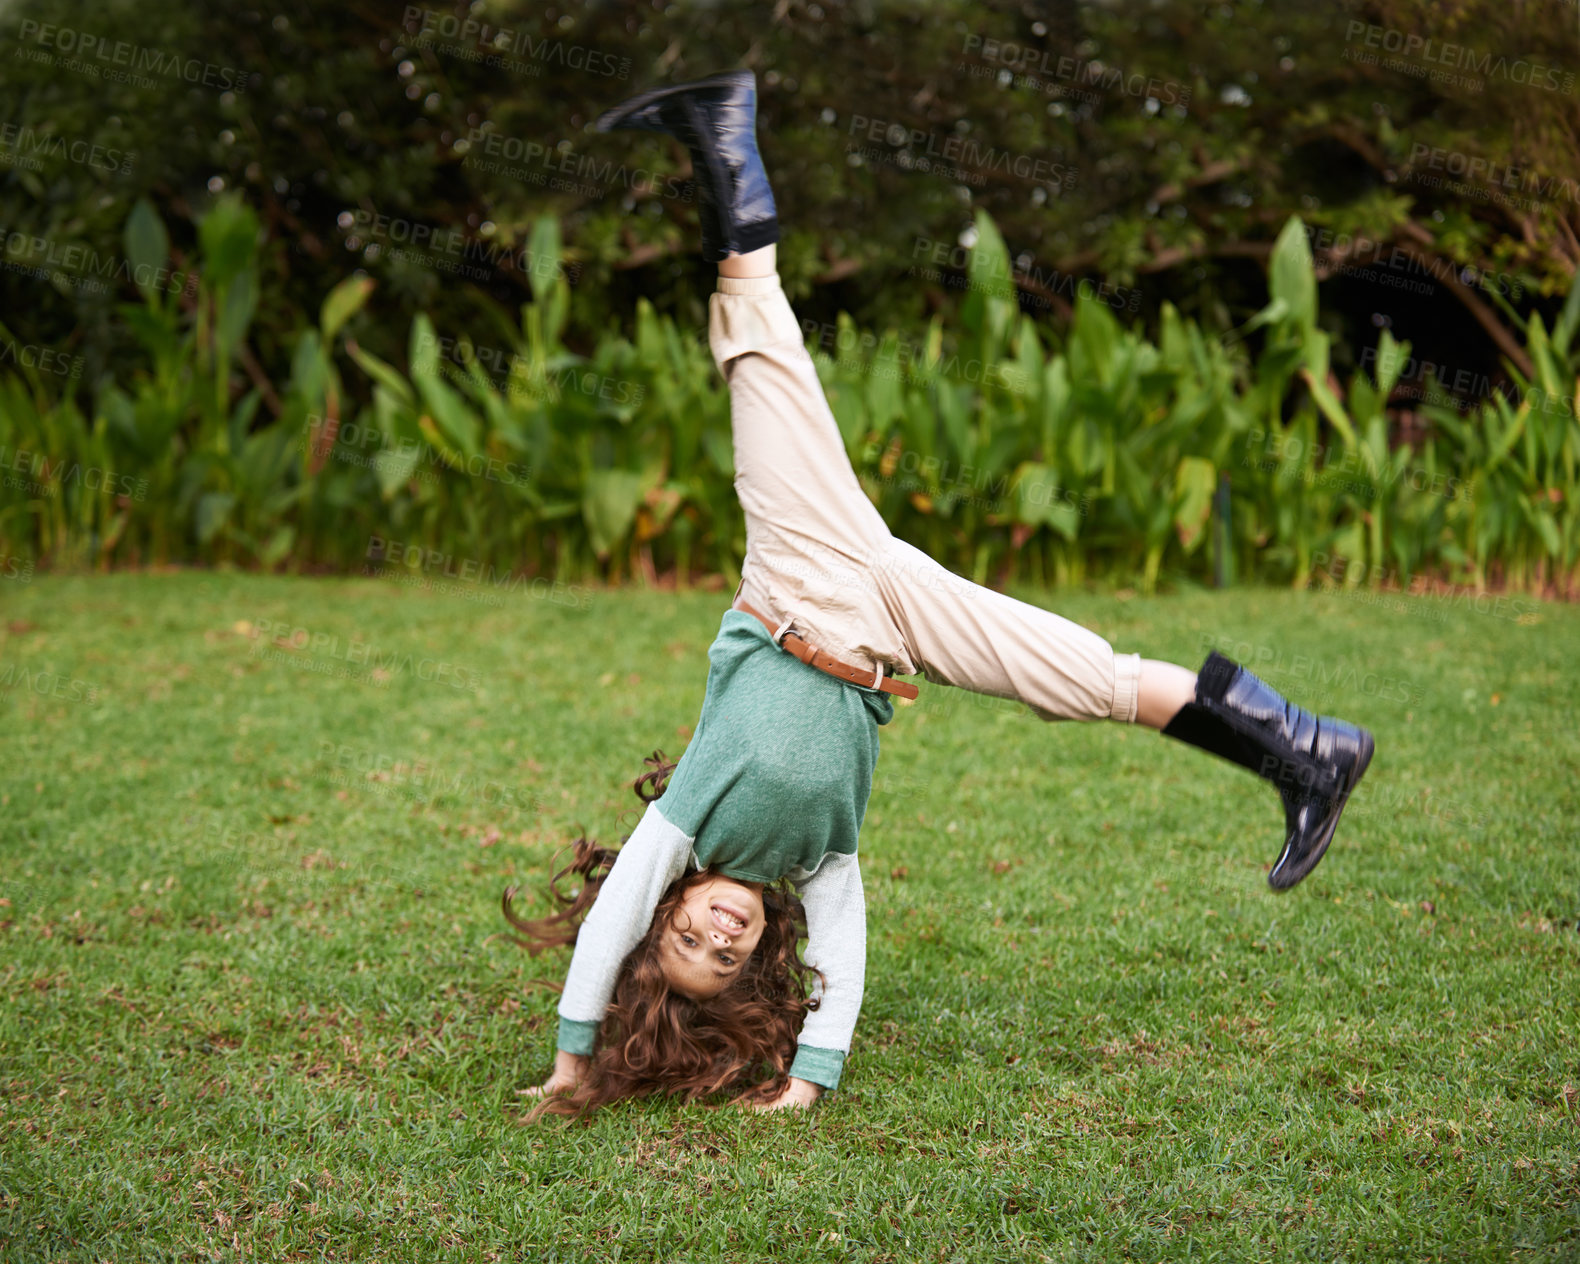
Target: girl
(685,976)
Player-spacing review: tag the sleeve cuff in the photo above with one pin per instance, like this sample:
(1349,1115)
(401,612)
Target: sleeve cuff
(818,1066)
(576,1037)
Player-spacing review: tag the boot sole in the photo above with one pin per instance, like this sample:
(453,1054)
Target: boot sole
(1368,748)
(612,117)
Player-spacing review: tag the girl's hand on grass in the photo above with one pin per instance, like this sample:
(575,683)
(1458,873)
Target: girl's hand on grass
(569,1068)
(797,1093)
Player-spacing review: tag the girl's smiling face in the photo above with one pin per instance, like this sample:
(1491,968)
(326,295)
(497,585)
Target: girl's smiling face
(714,931)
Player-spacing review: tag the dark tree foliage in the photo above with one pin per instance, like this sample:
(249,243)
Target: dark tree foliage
(1155,148)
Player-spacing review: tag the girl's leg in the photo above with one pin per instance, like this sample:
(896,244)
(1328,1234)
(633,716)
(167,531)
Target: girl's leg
(1164,688)
(966,635)
(791,468)
(756,263)
(811,531)
(810,528)
(969,636)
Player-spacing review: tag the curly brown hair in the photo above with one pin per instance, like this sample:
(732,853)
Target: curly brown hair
(654,1040)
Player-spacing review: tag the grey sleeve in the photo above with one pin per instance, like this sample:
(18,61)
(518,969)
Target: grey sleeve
(654,856)
(836,926)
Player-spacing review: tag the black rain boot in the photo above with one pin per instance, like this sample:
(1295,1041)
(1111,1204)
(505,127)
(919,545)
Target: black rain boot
(716,120)
(1314,761)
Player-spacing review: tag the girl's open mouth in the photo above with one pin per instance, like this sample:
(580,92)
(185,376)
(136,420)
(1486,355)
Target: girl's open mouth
(728,919)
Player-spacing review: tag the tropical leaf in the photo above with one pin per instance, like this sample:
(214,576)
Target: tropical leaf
(147,247)
(229,237)
(213,512)
(609,506)
(1195,481)
(241,301)
(1290,275)
(394,466)
(342,303)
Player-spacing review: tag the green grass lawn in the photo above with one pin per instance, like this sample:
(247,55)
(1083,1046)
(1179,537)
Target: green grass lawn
(253,1005)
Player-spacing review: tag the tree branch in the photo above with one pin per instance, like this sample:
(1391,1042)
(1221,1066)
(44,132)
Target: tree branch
(1211,173)
(1483,314)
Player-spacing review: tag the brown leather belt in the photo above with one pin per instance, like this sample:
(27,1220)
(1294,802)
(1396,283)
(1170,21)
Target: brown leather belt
(814,657)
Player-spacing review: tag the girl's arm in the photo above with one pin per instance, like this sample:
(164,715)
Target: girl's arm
(836,926)
(653,857)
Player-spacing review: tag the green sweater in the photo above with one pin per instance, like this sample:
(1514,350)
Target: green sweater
(779,771)
(774,785)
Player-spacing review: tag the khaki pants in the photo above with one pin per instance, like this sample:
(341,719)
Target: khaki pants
(818,552)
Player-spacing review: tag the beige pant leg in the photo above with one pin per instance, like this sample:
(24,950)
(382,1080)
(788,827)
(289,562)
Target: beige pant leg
(966,635)
(818,551)
(811,532)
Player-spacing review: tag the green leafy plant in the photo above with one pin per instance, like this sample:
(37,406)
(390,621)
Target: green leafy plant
(1001,452)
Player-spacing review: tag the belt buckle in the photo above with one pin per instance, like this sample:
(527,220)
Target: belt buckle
(816,652)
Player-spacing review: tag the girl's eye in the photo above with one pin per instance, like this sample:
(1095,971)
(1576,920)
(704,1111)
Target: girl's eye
(688,941)
(729,961)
